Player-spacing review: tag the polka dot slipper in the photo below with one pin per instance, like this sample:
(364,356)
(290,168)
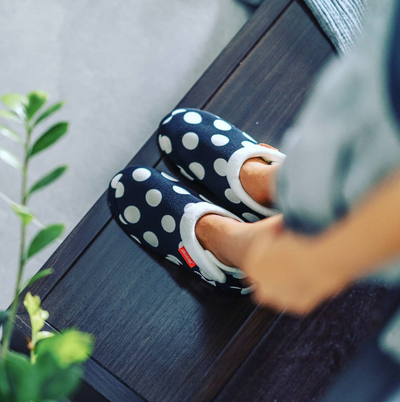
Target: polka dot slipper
(157,212)
(211,151)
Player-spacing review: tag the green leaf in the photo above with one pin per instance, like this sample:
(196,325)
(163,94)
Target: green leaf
(68,347)
(56,382)
(44,335)
(47,179)
(5,391)
(4,316)
(3,321)
(36,100)
(39,275)
(10,115)
(49,112)
(10,158)
(23,212)
(22,377)
(11,134)
(53,134)
(44,238)
(32,303)
(36,314)
(16,103)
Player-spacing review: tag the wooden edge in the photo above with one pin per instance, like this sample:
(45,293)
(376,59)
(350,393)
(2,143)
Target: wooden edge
(230,58)
(98,383)
(99,215)
(234,354)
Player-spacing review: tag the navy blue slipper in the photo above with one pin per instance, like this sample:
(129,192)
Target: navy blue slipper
(211,151)
(155,210)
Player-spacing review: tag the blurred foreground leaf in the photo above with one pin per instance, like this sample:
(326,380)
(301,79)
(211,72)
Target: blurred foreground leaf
(10,158)
(47,179)
(16,103)
(68,347)
(11,134)
(6,114)
(44,238)
(39,275)
(36,314)
(49,112)
(52,135)
(36,100)
(23,212)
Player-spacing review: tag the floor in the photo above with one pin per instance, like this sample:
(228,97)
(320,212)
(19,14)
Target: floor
(121,66)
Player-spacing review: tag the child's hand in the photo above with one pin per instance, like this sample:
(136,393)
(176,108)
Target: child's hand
(291,271)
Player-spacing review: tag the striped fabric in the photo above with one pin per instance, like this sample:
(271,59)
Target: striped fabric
(341,20)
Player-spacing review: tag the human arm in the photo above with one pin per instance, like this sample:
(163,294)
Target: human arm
(298,272)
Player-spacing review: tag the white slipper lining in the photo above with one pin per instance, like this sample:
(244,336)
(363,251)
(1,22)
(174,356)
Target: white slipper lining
(235,163)
(196,251)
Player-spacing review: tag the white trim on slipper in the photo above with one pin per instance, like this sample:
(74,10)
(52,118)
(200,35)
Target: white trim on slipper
(235,272)
(195,250)
(235,163)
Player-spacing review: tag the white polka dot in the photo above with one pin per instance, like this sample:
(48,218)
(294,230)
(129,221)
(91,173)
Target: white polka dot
(167,120)
(119,192)
(192,118)
(198,170)
(247,290)
(222,125)
(249,137)
(141,174)
(177,111)
(151,238)
(180,190)
(187,206)
(205,199)
(115,180)
(180,245)
(168,223)
(135,238)
(250,217)
(249,144)
(153,197)
(173,259)
(219,140)
(122,220)
(132,214)
(190,140)
(231,196)
(165,144)
(220,166)
(167,176)
(184,173)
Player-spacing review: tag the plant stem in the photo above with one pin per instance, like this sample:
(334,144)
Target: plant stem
(35,221)
(10,322)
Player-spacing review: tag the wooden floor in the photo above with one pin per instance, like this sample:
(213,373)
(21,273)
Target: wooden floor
(163,335)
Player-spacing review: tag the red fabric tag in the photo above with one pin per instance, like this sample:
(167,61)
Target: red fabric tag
(187,257)
(268,146)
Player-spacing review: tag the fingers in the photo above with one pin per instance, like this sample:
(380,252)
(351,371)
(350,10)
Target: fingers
(296,301)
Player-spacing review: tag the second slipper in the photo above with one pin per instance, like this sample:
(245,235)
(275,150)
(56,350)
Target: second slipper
(211,151)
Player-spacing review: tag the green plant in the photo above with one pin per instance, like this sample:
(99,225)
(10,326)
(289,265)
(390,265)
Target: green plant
(54,367)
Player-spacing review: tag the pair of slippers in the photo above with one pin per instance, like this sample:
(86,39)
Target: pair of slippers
(160,213)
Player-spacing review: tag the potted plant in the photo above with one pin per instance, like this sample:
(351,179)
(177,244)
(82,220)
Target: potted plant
(53,370)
